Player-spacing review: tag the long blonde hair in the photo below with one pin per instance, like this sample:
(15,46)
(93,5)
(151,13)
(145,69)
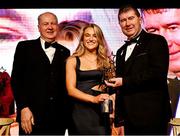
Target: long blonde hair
(102,50)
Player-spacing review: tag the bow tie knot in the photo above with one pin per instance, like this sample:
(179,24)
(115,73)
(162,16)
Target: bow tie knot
(48,44)
(129,42)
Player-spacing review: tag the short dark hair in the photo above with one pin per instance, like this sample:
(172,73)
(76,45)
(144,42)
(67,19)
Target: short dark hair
(126,8)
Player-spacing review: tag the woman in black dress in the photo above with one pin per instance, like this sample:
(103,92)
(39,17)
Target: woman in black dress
(84,74)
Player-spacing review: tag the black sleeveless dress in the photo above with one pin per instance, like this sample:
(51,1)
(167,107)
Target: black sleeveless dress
(87,118)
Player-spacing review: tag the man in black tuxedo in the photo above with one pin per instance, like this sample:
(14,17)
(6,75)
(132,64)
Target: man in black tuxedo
(142,103)
(38,81)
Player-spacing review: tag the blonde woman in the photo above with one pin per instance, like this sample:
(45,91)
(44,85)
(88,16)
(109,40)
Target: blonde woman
(84,75)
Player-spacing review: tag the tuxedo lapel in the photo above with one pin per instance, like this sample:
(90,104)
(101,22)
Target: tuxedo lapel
(123,53)
(40,52)
(59,54)
(137,50)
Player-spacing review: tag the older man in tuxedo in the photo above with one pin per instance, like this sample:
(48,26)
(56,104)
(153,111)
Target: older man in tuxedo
(38,81)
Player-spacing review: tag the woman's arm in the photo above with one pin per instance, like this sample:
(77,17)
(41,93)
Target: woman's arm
(71,85)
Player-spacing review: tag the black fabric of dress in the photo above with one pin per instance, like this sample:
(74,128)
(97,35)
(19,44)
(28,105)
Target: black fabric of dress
(87,118)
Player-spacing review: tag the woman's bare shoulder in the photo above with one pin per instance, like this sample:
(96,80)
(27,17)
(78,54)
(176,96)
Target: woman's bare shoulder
(71,60)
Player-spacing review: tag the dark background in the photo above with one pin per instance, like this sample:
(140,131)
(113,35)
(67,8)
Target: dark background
(88,3)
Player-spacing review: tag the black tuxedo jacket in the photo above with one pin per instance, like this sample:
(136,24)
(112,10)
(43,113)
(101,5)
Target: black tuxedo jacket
(143,100)
(174,92)
(39,85)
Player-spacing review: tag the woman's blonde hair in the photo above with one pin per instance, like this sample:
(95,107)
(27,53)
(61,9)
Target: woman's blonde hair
(103,59)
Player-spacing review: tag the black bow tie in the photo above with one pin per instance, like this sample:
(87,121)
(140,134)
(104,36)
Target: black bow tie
(129,42)
(48,44)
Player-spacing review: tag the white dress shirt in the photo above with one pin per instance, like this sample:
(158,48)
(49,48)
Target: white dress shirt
(129,50)
(49,51)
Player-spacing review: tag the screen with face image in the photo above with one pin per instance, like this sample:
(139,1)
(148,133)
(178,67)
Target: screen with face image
(166,22)
(21,24)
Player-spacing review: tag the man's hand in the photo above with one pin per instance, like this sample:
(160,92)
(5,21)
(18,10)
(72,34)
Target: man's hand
(27,120)
(114,82)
